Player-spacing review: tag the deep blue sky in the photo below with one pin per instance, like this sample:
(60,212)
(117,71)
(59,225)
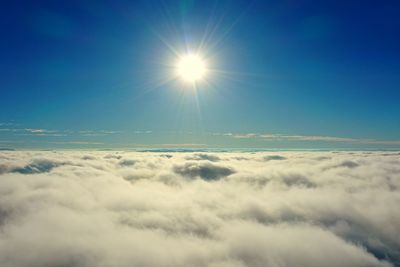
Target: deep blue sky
(94,72)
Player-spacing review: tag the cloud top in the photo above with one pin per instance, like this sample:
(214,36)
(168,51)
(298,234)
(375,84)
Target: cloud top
(286,209)
(206,171)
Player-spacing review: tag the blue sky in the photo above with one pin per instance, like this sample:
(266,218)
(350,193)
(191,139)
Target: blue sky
(283,74)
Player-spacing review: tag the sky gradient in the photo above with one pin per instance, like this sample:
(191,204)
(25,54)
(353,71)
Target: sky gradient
(283,74)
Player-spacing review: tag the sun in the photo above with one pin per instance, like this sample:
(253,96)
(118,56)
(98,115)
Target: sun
(191,68)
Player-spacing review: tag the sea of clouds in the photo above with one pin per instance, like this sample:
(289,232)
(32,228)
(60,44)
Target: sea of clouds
(277,209)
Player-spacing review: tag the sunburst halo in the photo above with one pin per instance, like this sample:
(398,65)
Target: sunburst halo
(191,68)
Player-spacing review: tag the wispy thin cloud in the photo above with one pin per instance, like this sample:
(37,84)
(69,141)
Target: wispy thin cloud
(245,136)
(8,130)
(29,130)
(182,145)
(143,132)
(54,132)
(41,134)
(8,124)
(11,141)
(77,143)
(39,130)
(97,132)
(313,138)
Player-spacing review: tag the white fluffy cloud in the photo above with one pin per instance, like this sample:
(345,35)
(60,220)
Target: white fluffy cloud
(199,209)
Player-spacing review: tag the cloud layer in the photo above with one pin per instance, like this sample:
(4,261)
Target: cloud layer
(281,209)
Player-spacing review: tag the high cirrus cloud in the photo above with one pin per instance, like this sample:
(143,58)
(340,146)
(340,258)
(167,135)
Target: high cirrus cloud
(209,209)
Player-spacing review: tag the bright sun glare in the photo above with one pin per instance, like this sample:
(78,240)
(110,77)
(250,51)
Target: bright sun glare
(191,68)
